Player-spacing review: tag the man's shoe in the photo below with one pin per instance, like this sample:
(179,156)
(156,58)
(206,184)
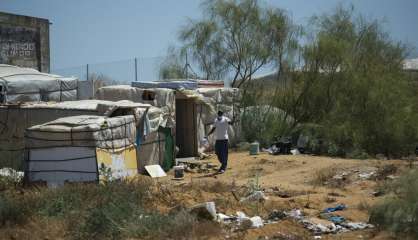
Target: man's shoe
(220,171)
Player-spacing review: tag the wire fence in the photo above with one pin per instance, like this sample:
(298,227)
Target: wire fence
(116,72)
(136,69)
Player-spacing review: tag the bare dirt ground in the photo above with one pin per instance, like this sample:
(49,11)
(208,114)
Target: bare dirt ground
(308,183)
(290,182)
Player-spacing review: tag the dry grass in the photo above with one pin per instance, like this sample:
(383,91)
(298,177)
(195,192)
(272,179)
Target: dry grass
(322,177)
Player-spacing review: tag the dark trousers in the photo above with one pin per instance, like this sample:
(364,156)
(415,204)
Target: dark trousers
(221,150)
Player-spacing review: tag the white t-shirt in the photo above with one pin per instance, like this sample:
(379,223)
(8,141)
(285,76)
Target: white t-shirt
(221,128)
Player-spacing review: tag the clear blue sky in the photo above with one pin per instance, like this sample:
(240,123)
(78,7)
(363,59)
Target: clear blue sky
(95,31)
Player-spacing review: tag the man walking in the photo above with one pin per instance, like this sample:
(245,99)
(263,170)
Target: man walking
(220,127)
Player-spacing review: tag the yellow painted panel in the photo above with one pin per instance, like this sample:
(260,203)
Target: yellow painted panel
(120,163)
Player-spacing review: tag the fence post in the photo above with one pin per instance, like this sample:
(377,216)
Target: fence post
(92,81)
(136,69)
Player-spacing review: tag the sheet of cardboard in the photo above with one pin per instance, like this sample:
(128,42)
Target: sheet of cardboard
(155,171)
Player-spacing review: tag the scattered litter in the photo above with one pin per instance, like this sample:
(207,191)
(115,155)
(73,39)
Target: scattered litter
(336,219)
(204,142)
(331,224)
(295,214)
(271,150)
(205,210)
(357,225)
(295,151)
(225,218)
(241,220)
(257,222)
(318,226)
(155,171)
(341,176)
(276,215)
(378,193)
(255,196)
(385,171)
(15,176)
(367,175)
(178,172)
(339,207)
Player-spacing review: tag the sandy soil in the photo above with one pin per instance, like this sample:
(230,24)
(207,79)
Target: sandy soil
(290,182)
(295,176)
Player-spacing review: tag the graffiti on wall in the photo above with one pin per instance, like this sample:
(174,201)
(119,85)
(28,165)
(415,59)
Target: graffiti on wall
(19,46)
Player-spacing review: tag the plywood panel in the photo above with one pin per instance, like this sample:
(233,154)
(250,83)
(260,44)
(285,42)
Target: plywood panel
(186,133)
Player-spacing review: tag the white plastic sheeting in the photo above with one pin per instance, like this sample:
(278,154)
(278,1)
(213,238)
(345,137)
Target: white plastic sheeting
(65,149)
(151,147)
(26,85)
(214,99)
(57,165)
(411,64)
(162,99)
(85,131)
(15,119)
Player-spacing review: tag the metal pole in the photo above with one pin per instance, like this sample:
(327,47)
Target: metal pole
(92,81)
(87,72)
(187,68)
(136,70)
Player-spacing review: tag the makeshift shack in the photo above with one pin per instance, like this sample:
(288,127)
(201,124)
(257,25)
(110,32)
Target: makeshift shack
(186,109)
(27,85)
(157,144)
(14,119)
(202,106)
(195,111)
(80,149)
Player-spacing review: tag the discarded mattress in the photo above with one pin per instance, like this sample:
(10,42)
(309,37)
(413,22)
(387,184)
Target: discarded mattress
(26,85)
(172,85)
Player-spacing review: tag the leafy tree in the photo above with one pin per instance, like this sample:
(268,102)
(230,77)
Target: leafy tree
(172,66)
(352,83)
(236,38)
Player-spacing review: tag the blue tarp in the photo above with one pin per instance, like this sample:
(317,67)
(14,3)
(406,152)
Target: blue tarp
(339,207)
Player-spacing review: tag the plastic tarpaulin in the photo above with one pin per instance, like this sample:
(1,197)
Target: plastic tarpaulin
(155,143)
(75,148)
(163,100)
(58,165)
(151,151)
(27,85)
(15,119)
(85,131)
(224,99)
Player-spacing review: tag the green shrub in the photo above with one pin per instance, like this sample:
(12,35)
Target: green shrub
(114,210)
(264,124)
(399,211)
(358,154)
(12,210)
